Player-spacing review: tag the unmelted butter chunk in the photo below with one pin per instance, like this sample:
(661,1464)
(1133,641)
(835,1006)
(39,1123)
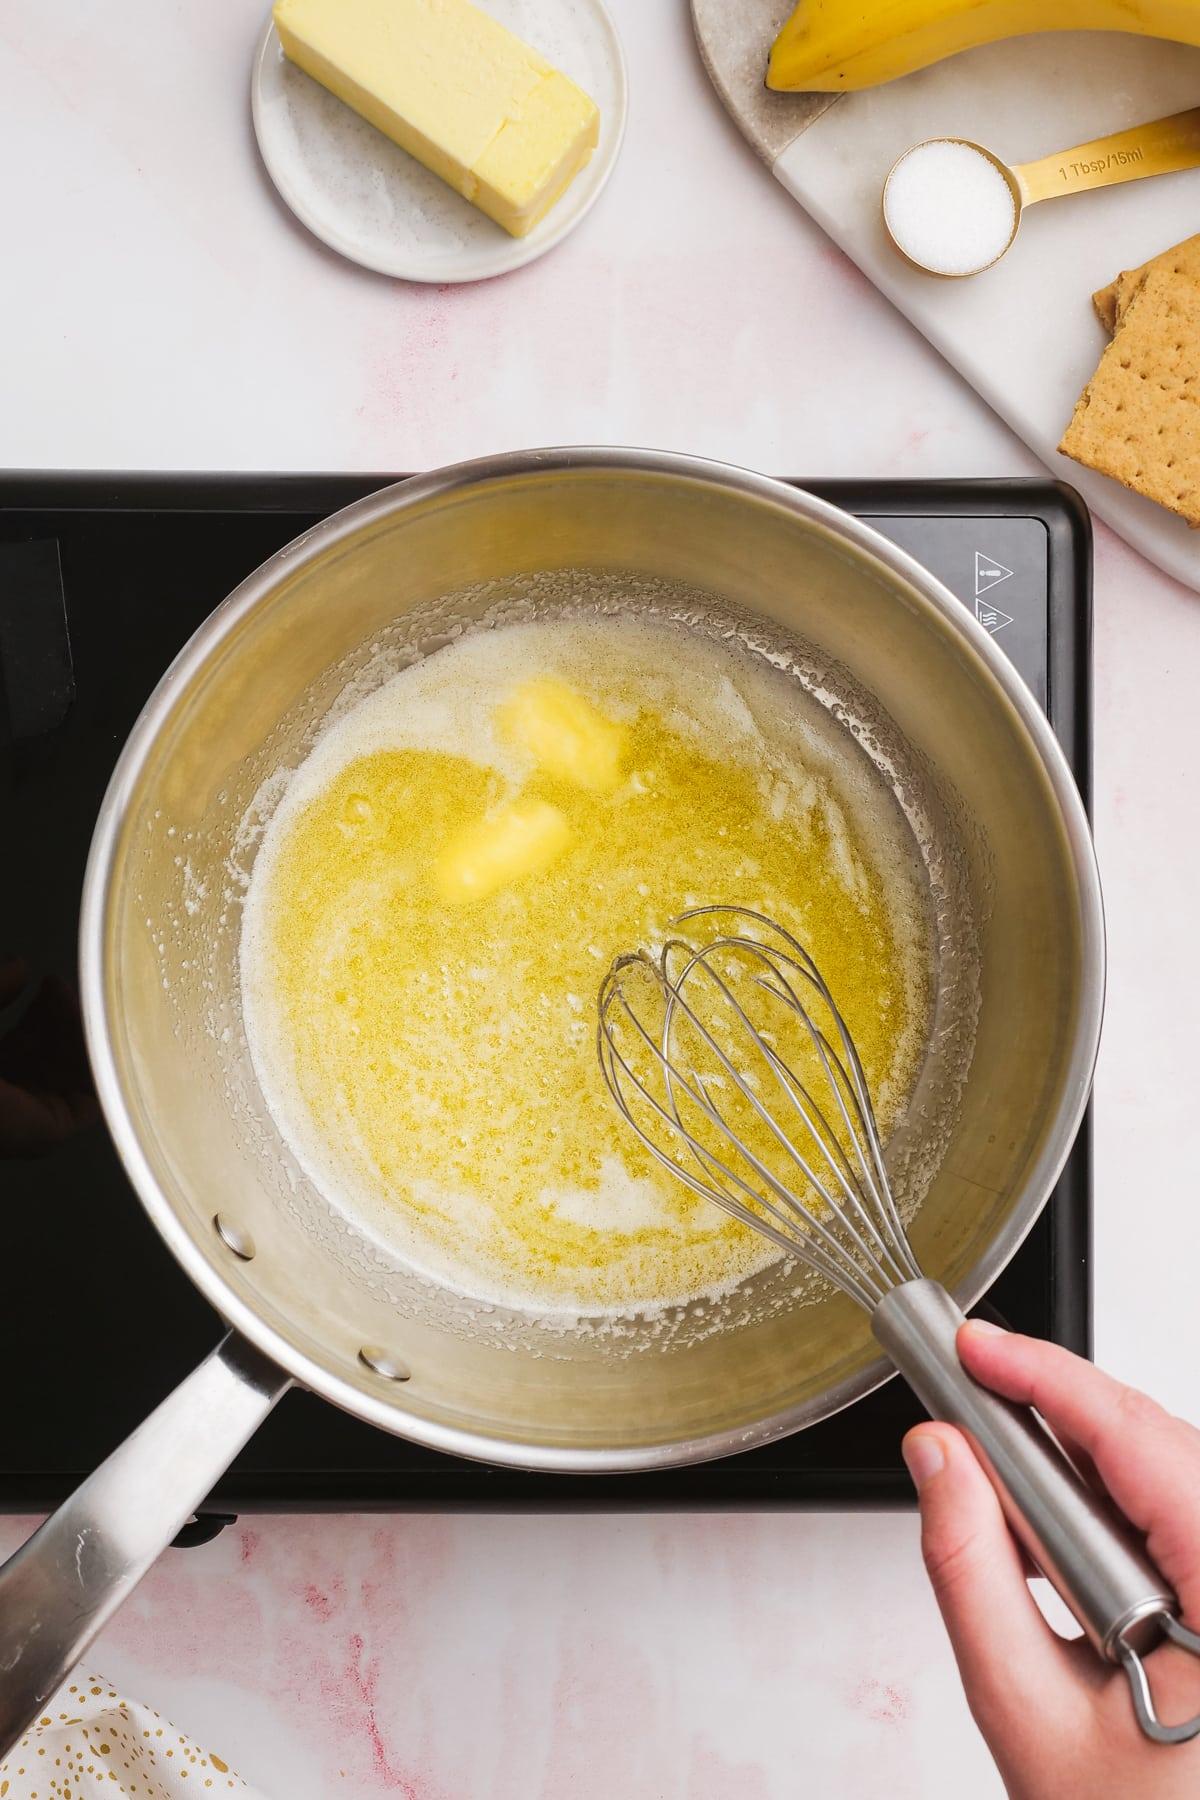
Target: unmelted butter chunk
(454,88)
(519,838)
(564,733)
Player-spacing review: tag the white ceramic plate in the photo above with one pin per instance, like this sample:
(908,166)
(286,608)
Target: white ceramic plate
(365,197)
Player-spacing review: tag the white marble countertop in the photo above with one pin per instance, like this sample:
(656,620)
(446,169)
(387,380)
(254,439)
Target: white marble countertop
(159,309)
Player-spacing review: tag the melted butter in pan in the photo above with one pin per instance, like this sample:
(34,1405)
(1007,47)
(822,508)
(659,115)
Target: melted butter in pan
(446,882)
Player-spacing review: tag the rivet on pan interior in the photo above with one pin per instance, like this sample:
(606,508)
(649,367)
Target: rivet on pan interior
(382,1362)
(234,1237)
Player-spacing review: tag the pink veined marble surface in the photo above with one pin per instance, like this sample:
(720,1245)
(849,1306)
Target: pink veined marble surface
(723,1657)
(160,309)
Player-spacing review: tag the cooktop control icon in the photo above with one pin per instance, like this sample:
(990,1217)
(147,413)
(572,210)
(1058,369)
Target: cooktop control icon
(989,574)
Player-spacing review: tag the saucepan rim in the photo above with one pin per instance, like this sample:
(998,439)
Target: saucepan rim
(386,1409)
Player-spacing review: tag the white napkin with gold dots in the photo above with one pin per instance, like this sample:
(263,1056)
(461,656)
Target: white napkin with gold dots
(89,1734)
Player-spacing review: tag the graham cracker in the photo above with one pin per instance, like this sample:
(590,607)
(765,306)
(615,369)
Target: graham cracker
(1105,302)
(1110,302)
(1138,419)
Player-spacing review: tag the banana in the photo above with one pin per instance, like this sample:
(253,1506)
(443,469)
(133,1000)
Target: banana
(835,46)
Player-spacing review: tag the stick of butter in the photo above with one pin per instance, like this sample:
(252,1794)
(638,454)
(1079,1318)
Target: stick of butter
(454,88)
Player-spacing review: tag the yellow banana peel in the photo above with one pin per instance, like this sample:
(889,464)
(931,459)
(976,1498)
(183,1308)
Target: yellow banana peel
(836,46)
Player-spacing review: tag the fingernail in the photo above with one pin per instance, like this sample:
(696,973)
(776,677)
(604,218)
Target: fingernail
(924,1456)
(983,1328)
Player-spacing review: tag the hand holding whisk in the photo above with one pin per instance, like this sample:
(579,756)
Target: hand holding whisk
(731,1061)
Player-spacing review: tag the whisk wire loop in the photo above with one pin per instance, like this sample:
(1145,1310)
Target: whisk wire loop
(834,1157)
(883,1243)
(779,1225)
(844,1071)
(845,1222)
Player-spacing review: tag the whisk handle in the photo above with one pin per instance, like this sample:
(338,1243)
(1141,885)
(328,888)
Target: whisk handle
(1081,1544)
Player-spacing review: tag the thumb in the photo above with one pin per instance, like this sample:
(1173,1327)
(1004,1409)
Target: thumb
(1006,1653)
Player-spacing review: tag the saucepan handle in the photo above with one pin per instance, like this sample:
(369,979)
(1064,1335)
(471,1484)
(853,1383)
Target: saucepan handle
(63,1586)
(1078,1540)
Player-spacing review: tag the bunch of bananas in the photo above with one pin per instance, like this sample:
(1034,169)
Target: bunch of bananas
(833,46)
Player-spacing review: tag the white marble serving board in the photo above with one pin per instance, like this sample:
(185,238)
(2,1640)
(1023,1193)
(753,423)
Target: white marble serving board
(1024,333)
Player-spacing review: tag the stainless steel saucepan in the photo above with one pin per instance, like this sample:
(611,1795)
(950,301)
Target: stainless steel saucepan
(312,1299)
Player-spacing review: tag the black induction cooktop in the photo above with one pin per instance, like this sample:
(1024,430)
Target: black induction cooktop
(102,578)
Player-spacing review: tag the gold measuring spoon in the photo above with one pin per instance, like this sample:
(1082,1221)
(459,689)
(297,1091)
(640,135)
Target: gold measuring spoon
(952,208)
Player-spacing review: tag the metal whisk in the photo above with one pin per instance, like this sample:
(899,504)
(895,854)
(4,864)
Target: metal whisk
(731,1061)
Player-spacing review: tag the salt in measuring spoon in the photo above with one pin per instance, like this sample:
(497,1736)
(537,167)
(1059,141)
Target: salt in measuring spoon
(952,207)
